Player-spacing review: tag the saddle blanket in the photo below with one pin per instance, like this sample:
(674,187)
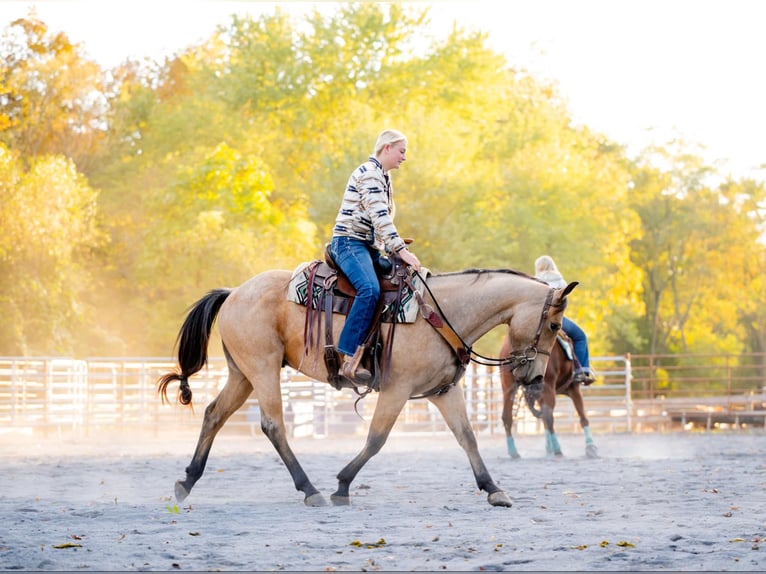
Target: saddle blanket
(298,289)
(565,346)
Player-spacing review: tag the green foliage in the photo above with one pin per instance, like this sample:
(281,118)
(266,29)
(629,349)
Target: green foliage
(231,158)
(53,99)
(49,242)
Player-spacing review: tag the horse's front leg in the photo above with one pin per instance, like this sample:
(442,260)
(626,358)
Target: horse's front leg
(591,451)
(387,410)
(452,407)
(552,445)
(509,395)
(547,405)
(233,396)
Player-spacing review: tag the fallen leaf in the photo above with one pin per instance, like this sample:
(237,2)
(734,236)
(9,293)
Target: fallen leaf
(67,545)
(625,544)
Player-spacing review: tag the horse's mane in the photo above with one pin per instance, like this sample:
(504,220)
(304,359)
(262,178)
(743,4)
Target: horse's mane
(481,272)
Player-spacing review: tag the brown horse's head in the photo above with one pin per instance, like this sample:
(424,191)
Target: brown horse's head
(531,334)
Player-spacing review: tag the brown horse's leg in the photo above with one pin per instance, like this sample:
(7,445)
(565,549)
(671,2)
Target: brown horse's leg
(576,395)
(452,407)
(509,396)
(233,396)
(548,404)
(508,383)
(387,409)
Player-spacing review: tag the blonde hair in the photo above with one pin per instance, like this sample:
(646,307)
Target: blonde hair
(387,137)
(545,263)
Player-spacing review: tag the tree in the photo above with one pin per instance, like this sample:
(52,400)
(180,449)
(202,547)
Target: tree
(48,214)
(697,251)
(53,100)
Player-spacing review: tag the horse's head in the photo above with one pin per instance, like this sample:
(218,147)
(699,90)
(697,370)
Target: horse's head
(531,334)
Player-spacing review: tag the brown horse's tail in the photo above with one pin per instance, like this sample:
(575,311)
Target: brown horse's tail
(192,344)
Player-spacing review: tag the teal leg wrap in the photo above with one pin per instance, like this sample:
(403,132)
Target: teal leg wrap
(588,435)
(552,445)
(511,445)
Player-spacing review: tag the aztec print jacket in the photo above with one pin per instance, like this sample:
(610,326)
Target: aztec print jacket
(367,211)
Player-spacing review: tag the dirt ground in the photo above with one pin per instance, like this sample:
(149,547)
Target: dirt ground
(681,501)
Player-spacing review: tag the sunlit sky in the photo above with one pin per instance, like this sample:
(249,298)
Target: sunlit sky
(638,71)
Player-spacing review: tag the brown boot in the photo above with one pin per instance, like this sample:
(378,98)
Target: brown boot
(351,370)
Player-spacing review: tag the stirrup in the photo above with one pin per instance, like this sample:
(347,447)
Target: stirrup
(352,369)
(360,376)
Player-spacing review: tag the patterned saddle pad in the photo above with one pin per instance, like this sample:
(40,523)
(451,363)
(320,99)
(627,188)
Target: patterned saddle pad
(566,346)
(298,292)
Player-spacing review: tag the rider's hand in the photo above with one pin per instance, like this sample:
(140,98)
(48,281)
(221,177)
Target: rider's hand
(409,258)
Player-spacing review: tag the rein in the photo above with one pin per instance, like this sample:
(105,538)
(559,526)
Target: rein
(465,353)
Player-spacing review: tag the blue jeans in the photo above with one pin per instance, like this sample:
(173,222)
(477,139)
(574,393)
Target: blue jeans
(579,340)
(356,260)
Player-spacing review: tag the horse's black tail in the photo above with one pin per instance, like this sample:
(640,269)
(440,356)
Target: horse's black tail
(192,344)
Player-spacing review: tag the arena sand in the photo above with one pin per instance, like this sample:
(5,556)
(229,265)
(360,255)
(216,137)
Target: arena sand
(650,502)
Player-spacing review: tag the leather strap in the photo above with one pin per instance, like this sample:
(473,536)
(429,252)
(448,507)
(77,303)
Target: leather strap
(331,356)
(436,321)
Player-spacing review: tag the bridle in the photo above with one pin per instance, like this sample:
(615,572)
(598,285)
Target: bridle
(516,359)
(466,354)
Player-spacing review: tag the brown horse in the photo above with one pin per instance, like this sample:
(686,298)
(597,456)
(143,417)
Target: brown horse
(559,380)
(262,331)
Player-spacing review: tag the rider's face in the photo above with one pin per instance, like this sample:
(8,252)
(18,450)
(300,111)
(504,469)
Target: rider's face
(393,155)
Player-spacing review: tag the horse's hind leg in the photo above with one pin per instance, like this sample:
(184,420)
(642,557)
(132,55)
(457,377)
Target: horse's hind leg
(591,451)
(452,407)
(273,426)
(233,396)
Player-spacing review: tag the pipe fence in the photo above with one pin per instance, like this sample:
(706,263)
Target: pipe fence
(632,394)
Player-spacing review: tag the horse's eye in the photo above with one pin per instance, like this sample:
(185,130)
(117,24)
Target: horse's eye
(555,327)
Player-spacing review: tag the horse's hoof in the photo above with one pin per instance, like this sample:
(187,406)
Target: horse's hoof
(315,500)
(338,500)
(180,491)
(499,498)
(591,451)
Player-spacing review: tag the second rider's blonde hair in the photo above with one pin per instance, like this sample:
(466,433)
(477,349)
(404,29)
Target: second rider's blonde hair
(545,263)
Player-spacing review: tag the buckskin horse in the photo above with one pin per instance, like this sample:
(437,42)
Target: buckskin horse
(559,380)
(262,331)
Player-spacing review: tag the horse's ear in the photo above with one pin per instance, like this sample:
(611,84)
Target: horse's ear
(569,288)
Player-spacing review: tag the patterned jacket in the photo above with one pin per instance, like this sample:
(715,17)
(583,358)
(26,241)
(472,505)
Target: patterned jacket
(367,211)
